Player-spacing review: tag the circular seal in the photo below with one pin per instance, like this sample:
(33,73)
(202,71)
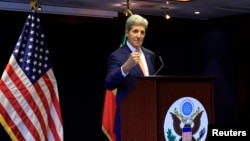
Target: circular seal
(186,120)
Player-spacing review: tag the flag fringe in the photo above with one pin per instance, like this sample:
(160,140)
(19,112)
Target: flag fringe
(106,133)
(7,129)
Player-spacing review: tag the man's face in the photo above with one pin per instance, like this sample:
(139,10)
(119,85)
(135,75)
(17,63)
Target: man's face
(136,35)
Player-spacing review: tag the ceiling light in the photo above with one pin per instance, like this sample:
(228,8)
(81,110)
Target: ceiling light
(167,16)
(197,12)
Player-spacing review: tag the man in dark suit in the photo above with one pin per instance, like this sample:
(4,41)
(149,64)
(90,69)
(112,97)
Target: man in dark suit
(124,63)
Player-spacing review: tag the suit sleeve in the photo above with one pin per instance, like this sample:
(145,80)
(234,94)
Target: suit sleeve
(114,75)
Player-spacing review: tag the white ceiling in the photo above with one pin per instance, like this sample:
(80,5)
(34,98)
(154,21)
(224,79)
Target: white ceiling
(209,9)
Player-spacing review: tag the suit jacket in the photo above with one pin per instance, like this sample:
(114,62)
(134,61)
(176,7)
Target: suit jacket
(115,79)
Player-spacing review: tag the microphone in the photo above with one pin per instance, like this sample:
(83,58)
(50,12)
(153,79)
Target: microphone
(162,65)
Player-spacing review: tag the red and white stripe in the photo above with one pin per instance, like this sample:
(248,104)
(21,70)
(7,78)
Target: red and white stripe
(31,112)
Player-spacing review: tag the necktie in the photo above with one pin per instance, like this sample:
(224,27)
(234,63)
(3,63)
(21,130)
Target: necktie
(141,64)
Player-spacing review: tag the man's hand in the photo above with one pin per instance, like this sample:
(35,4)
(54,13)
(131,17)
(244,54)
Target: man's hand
(134,59)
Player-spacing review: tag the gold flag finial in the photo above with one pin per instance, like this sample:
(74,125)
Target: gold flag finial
(128,10)
(34,5)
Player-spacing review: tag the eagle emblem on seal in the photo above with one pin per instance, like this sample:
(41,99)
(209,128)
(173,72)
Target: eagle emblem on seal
(186,127)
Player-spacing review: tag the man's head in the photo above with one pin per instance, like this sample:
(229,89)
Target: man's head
(136,20)
(135,29)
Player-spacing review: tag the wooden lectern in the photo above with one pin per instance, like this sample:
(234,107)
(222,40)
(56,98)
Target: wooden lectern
(143,110)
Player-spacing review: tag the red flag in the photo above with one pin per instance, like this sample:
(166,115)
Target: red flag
(108,117)
(29,106)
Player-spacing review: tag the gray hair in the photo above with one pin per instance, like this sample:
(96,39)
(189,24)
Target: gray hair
(136,20)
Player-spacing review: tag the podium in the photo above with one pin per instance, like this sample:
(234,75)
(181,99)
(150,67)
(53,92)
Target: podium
(143,110)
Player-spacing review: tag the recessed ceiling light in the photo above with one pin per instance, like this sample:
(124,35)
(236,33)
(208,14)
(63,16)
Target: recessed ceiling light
(197,12)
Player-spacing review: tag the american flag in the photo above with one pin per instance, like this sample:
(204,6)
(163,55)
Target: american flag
(29,100)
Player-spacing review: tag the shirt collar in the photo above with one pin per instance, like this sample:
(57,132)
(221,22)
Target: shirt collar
(131,47)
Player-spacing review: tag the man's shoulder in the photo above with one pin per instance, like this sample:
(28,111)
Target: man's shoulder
(148,50)
(122,49)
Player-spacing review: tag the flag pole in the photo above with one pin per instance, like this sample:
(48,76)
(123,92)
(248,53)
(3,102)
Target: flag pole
(29,105)
(109,108)
(127,13)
